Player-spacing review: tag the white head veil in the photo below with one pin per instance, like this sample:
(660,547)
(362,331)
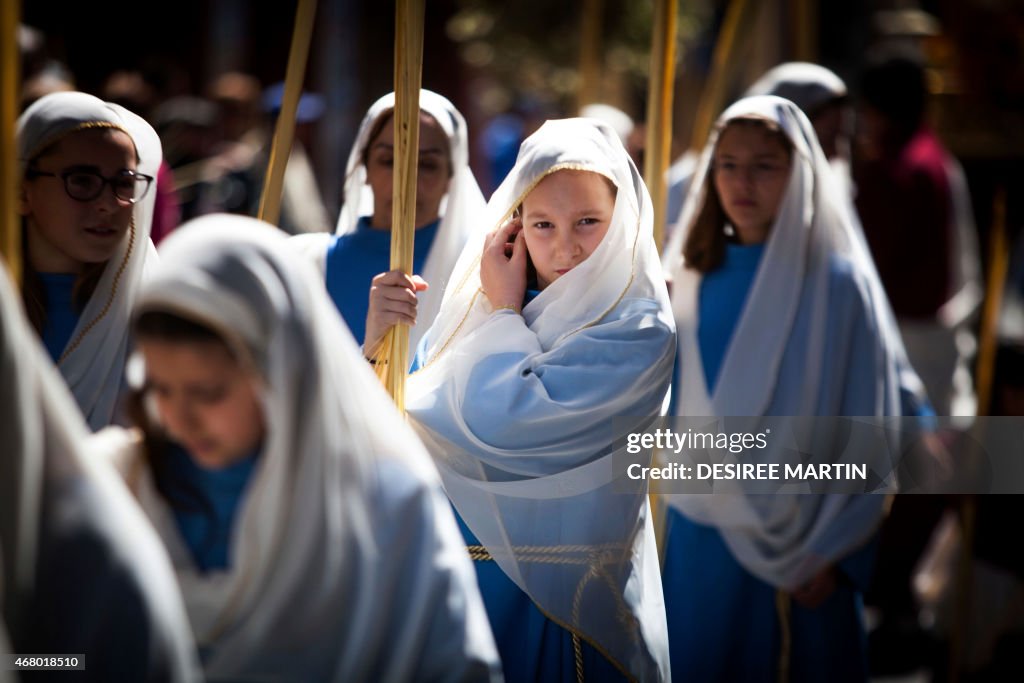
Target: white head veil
(810,86)
(805,84)
(303,595)
(49,463)
(460,209)
(93,361)
(784,539)
(518,410)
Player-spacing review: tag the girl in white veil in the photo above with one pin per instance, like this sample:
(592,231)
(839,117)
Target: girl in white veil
(309,533)
(81,570)
(823,96)
(554,324)
(87,167)
(447,200)
(780,312)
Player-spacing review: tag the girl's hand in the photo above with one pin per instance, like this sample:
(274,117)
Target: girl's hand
(818,589)
(392,302)
(503,266)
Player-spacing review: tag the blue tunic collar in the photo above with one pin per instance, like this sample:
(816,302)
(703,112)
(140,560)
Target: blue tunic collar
(204,502)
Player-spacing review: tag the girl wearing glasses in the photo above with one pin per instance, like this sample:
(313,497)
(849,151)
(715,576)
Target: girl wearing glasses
(447,198)
(780,313)
(86,168)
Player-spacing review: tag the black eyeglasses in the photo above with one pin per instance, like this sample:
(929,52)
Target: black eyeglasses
(85,186)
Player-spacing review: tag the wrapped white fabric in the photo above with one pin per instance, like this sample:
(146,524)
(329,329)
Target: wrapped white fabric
(460,208)
(789,356)
(345,562)
(93,361)
(82,571)
(518,410)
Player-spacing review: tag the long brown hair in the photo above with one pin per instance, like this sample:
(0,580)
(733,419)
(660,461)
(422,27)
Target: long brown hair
(704,249)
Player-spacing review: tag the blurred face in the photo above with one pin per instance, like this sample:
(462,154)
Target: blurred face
(565,217)
(205,400)
(751,172)
(872,130)
(827,124)
(432,175)
(63,233)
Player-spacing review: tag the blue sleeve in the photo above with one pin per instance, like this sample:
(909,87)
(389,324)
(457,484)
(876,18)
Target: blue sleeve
(914,405)
(420,356)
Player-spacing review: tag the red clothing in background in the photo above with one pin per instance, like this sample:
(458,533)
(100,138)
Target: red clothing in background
(904,203)
(167,210)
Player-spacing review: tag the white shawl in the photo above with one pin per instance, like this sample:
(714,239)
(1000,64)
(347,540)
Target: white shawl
(344,509)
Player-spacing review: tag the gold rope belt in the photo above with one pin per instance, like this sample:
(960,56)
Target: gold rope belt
(604,553)
(597,557)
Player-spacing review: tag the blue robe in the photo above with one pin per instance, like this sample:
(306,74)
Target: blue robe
(532,647)
(204,503)
(723,621)
(353,261)
(61,315)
